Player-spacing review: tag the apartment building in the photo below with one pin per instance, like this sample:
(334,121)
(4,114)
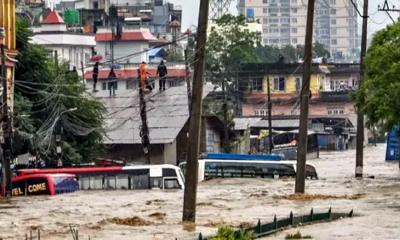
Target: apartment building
(284,23)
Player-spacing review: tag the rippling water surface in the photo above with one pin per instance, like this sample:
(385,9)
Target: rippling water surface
(228,201)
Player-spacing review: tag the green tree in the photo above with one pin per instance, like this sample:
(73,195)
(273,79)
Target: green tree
(45,95)
(319,50)
(379,94)
(227,233)
(230,43)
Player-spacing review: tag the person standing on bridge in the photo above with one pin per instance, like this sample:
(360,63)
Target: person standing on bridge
(162,72)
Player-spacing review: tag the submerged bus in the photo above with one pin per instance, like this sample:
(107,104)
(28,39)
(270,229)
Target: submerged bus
(44,184)
(129,177)
(218,168)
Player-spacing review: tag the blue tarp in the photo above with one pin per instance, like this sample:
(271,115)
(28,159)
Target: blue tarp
(155,52)
(234,156)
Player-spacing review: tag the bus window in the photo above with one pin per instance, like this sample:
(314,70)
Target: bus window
(140,181)
(96,182)
(122,182)
(110,182)
(84,182)
(171,183)
(168,172)
(156,182)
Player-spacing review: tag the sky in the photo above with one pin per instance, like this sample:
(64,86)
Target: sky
(377,20)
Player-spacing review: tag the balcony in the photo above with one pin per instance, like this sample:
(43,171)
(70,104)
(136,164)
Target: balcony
(335,96)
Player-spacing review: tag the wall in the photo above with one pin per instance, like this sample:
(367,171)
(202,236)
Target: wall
(121,49)
(134,153)
(7,20)
(316,82)
(170,156)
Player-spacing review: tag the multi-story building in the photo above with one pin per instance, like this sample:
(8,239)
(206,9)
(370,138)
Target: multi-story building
(73,47)
(284,23)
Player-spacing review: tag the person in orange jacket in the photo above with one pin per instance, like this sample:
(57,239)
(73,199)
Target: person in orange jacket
(143,76)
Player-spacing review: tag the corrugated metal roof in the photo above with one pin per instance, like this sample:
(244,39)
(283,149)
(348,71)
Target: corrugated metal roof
(167,113)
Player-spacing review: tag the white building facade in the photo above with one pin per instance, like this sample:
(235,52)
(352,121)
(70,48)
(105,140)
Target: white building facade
(71,47)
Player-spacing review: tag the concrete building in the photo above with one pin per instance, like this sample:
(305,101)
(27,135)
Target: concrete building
(72,47)
(132,40)
(284,23)
(167,116)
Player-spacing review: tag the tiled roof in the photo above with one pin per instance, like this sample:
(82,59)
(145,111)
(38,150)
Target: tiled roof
(126,36)
(132,73)
(53,18)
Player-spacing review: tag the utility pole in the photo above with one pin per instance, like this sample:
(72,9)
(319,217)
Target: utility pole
(360,114)
(187,76)
(387,9)
(189,199)
(304,96)
(271,145)
(225,115)
(7,128)
(144,129)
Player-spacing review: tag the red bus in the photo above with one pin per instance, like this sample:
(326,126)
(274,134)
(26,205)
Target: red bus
(163,176)
(44,184)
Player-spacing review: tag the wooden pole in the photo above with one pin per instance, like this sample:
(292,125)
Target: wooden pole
(187,76)
(304,96)
(189,200)
(360,115)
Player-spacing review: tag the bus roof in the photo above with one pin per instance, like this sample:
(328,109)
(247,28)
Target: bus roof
(235,156)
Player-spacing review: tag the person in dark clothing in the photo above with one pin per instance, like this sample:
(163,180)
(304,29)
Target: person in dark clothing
(95,75)
(162,73)
(112,77)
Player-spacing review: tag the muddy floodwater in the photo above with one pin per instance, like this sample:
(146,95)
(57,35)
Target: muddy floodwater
(157,215)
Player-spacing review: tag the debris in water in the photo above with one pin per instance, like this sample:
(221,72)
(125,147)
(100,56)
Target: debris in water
(154,201)
(311,197)
(158,215)
(130,221)
(189,226)
(297,235)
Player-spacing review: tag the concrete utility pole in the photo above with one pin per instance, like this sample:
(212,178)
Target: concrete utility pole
(7,128)
(360,114)
(189,200)
(304,96)
(271,145)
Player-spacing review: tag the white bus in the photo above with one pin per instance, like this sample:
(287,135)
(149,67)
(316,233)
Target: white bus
(223,168)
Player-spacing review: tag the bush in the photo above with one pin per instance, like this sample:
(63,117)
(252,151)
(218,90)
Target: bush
(227,233)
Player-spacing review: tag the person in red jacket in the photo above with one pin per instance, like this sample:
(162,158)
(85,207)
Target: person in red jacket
(143,76)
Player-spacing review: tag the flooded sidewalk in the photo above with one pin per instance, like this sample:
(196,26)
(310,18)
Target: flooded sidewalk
(154,214)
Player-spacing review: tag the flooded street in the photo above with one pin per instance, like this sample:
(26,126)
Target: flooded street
(228,201)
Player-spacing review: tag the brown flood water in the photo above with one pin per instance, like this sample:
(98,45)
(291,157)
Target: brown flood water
(157,215)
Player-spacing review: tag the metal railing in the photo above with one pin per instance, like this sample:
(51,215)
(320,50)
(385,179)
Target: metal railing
(264,229)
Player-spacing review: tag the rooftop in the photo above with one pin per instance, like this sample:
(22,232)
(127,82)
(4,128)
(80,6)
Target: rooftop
(167,113)
(53,18)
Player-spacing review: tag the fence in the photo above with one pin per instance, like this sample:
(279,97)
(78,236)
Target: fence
(261,230)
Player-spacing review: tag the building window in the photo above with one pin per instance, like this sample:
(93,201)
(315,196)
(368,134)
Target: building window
(265,1)
(294,30)
(294,41)
(261,112)
(336,111)
(210,141)
(256,83)
(333,11)
(332,2)
(334,41)
(294,10)
(298,83)
(294,20)
(333,21)
(333,31)
(279,83)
